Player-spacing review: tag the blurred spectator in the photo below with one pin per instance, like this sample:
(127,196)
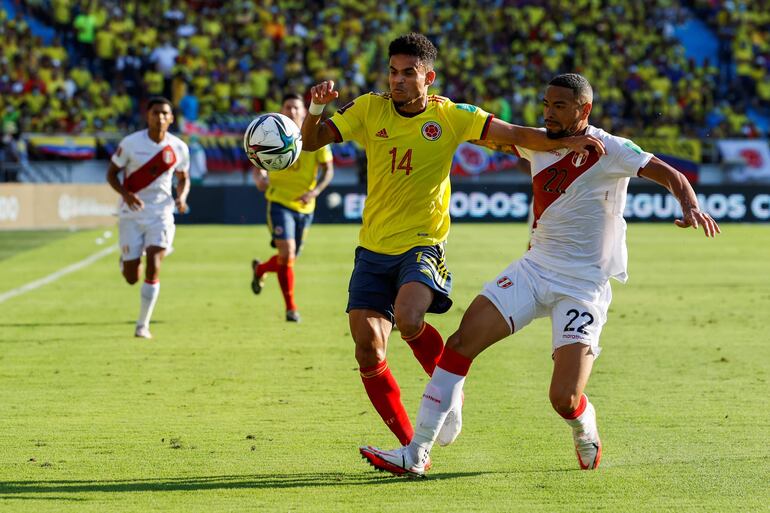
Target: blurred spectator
(85,32)
(189,107)
(106,48)
(198,165)
(164,57)
(129,68)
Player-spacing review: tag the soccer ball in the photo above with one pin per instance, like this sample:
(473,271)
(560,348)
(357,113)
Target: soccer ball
(272,142)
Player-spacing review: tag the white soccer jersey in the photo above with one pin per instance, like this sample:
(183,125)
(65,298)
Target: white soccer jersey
(579,228)
(148,169)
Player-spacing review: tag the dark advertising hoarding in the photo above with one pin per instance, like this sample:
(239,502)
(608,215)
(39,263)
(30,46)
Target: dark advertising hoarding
(481,203)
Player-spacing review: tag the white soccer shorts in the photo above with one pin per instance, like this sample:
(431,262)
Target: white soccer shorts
(578,308)
(136,234)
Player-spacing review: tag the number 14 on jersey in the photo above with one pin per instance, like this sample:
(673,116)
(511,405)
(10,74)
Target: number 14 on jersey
(405,164)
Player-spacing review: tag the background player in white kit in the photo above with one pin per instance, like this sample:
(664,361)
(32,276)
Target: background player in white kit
(578,243)
(149,159)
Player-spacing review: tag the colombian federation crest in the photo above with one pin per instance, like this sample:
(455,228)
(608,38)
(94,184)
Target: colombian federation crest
(431,130)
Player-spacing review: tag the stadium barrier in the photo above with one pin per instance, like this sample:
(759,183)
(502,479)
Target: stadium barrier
(38,206)
(43,206)
(479,203)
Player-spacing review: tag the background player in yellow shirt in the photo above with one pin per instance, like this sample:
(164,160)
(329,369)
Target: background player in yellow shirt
(410,138)
(291,195)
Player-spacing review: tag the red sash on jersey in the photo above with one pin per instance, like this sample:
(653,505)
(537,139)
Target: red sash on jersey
(550,183)
(152,169)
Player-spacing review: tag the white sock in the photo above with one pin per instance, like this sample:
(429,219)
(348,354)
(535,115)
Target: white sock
(443,391)
(149,295)
(586,421)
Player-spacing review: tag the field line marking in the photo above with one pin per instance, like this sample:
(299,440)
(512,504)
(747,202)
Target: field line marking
(58,274)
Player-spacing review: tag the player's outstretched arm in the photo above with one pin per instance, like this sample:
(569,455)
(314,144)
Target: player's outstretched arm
(534,139)
(261,179)
(665,175)
(182,190)
(315,134)
(496,146)
(131,199)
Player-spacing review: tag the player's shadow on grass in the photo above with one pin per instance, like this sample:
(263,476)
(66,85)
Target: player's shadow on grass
(273,481)
(46,498)
(69,324)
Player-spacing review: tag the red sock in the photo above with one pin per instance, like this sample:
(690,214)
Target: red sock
(579,411)
(270,266)
(385,395)
(426,345)
(454,362)
(286,280)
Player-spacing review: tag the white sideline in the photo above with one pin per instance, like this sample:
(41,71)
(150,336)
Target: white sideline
(58,274)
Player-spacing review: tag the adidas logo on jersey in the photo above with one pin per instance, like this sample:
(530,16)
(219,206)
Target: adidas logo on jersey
(382,133)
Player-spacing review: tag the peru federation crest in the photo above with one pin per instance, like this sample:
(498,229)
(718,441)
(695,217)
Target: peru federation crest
(168,155)
(578,159)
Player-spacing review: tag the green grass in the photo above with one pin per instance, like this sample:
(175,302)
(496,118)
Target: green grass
(230,408)
(12,242)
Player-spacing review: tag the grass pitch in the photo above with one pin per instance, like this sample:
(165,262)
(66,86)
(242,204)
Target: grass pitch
(230,408)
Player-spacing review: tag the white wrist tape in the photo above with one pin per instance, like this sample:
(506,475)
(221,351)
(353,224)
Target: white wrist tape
(316,109)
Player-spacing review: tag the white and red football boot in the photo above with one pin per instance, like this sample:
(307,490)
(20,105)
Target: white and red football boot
(398,461)
(588,446)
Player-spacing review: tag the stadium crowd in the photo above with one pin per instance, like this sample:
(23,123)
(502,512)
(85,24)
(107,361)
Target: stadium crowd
(743,28)
(221,61)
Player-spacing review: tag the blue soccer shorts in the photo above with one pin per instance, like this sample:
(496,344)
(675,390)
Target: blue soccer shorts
(286,224)
(376,278)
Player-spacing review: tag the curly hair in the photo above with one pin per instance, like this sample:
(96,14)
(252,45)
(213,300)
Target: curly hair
(580,86)
(416,45)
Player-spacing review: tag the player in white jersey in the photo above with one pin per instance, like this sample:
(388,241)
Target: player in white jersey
(578,244)
(149,159)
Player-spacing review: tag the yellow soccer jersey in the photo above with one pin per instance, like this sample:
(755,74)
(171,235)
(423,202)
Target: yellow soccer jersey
(409,159)
(291,183)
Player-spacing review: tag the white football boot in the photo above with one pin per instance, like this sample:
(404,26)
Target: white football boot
(588,447)
(398,461)
(142,332)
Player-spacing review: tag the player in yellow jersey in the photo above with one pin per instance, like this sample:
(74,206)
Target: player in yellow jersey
(400,274)
(291,195)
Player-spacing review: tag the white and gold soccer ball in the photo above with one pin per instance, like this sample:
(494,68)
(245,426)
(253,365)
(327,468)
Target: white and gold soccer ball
(272,142)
